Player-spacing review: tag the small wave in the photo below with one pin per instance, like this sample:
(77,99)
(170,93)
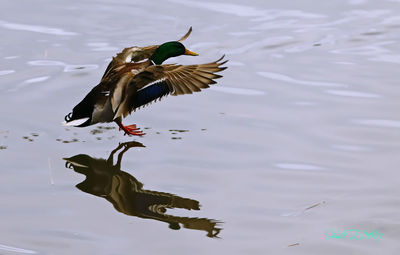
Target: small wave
(67,68)
(35,28)
(285,78)
(378,123)
(297,166)
(37,79)
(238,91)
(5,72)
(352,93)
(15,249)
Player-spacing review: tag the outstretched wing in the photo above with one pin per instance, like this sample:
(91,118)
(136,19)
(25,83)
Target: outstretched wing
(161,80)
(136,54)
(128,55)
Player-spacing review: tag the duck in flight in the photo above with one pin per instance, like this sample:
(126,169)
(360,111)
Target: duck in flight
(137,77)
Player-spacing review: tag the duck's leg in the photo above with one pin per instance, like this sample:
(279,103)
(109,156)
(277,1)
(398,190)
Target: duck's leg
(129,130)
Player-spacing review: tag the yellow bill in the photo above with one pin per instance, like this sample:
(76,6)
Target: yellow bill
(188,52)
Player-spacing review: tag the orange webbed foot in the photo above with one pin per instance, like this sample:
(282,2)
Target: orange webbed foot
(131,130)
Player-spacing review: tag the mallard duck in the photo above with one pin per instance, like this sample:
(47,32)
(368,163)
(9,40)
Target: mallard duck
(136,77)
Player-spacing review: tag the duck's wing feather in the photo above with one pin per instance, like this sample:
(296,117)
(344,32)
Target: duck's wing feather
(118,91)
(186,35)
(130,55)
(136,54)
(161,80)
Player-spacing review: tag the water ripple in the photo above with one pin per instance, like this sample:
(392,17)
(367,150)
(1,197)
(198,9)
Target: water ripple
(352,93)
(378,123)
(234,9)
(297,166)
(273,42)
(203,45)
(238,91)
(248,11)
(15,249)
(390,58)
(285,78)
(275,14)
(73,68)
(368,50)
(350,148)
(305,103)
(67,67)
(46,63)
(357,2)
(391,21)
(35,28)
(101,46)
(5,72)
(11,57)
(37,79)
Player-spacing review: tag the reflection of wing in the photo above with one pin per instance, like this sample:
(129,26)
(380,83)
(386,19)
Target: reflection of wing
(161,80)
(128,196)
(153,205)
(212,227)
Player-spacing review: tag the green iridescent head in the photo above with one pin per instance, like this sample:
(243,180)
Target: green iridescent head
(169,50)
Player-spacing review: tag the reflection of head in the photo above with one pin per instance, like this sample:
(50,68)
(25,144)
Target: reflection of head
(105,179)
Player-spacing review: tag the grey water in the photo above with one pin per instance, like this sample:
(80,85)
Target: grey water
(298,140)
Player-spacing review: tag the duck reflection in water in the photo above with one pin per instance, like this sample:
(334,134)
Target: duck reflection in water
(104,179)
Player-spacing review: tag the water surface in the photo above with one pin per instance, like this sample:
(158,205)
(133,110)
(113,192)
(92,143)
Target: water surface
(299,137)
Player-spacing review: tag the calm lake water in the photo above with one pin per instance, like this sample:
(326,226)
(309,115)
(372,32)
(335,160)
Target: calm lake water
(300,137)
